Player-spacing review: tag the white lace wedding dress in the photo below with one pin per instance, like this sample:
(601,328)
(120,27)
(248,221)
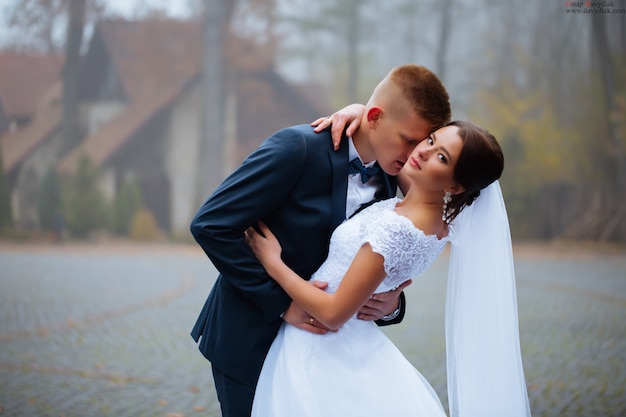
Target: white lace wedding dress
(356,371)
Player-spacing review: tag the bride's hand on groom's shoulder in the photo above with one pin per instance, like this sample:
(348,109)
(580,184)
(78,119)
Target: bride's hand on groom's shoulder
(349,116)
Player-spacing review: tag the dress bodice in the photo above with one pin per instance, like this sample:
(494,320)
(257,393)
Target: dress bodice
(406,250)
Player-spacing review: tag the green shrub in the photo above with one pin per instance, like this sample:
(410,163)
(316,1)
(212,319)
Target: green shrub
(144,226)
(127,205)
(84,206)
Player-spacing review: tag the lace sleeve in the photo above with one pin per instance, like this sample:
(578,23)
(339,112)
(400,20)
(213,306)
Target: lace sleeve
(406,250)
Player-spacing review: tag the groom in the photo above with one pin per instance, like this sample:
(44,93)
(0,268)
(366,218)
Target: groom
(302,189)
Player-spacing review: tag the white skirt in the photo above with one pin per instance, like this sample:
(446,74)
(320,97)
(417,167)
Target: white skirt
(356,371)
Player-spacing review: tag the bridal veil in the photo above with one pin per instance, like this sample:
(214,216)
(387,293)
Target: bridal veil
(485,372)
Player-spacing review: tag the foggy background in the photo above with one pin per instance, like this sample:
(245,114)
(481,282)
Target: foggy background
(119,117)
(546,77)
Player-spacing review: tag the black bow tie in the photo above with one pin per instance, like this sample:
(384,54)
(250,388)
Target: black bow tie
(356,167)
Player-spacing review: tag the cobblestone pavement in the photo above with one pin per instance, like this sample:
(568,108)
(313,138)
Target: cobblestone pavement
(104,330)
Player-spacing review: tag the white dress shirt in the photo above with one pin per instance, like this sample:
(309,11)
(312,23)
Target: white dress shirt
(359,193)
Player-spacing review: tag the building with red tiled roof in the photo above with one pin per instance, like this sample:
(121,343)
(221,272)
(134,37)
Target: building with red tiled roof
(24,79)
(140,101)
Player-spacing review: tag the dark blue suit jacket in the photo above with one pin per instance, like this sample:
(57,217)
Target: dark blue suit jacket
(296,183)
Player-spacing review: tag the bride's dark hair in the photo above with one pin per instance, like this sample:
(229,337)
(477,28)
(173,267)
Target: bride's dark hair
(480,163)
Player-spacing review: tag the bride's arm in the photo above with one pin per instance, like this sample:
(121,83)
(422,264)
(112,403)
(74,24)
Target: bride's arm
(361,280)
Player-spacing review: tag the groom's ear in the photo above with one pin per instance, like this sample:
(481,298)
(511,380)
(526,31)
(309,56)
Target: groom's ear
(374,114)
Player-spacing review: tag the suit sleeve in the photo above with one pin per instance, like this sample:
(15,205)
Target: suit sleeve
(258,187)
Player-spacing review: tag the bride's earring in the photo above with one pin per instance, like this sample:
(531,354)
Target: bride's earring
(447,197)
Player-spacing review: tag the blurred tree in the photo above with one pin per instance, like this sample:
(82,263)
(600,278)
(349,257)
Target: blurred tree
(69,121)
(334,34)
(127,204)
(606,220)
(147,10)
(49,202)
(553,101)
(35,24)
(36,21)
(408,13)
(537,149)
(353,37)
(257,20)
(215,24)
(606,67)
(445,30)
(6,213)
(83,204)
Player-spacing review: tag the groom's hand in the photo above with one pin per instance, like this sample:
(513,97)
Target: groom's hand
(382,304)
(303,320)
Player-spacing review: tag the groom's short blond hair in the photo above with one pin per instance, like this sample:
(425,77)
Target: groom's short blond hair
(413,88)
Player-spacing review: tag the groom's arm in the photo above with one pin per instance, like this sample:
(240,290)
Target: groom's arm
(254,190)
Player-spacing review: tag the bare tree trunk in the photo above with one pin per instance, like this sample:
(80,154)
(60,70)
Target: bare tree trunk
(353,38)
(217,16)
(617,176)
(410,10)
(622,34)
(51,48)
(69,125)
(444,36)
(598,26)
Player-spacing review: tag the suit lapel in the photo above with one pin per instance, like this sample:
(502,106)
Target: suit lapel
(391,185)
(339,163)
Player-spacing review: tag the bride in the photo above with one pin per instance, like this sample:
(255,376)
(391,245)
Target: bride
(357,370)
